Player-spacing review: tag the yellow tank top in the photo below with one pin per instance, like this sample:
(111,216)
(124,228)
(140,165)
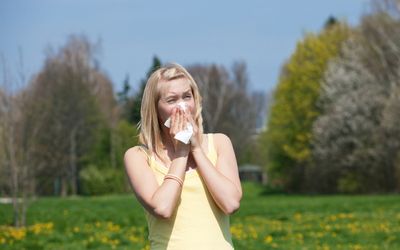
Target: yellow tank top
(197,223)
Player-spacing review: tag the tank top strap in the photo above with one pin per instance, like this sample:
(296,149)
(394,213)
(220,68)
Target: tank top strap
(145,150)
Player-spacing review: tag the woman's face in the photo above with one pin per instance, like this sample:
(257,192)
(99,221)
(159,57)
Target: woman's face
(172,93)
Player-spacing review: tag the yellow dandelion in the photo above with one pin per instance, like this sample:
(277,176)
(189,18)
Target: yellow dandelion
(355,229)
(268,239)
(384,227)
(324,247)
(17,233)
(147,247)
(36,229)
(104,239)
(299,237)
(238,232)
(134,239)
(297,216)
(112,227)
(333,218)
(39,228)
(356,247)
(253,232)
(49,225)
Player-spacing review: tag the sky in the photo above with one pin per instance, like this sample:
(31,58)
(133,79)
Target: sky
(261,33)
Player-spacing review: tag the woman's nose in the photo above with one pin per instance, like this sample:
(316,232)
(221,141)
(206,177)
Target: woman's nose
(182,105)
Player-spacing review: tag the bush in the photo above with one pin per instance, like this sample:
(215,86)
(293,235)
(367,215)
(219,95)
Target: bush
(97,181)
(349,184)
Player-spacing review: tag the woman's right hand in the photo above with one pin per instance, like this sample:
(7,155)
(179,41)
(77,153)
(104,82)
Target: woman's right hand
(179,123)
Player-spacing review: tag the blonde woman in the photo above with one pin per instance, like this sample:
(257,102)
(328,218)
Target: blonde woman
(188,189)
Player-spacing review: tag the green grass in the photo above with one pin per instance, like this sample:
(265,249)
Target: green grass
(263,222)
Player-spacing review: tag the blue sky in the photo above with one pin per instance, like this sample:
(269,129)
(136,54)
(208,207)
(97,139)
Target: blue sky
(262,33)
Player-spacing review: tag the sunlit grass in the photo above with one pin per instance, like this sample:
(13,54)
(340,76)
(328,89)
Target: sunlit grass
(263,222)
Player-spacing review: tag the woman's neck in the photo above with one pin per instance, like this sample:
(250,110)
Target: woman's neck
(168,146)
(166,139)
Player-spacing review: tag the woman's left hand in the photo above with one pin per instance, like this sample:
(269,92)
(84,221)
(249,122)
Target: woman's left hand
(195,139)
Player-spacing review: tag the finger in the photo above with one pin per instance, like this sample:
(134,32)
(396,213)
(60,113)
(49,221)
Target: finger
(174,123)
(190,119)
(192,122)
(177,120)
(181,120)
(194,125)
(187,121)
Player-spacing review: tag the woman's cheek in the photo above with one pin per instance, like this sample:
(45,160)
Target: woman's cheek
(170,111)
(193,111)
(164,116)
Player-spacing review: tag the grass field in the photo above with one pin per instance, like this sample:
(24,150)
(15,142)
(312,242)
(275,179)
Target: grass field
(263,222)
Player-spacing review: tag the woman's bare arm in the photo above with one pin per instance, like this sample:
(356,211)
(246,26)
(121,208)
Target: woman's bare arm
(223,180)
(159,200)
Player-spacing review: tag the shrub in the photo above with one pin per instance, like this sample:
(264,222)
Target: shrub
(95,181)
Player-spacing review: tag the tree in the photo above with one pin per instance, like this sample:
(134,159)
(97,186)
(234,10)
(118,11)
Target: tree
(3,170)
(19,126)
(356,139)
(131,105)
(98,178)
(228,104)
(287,139)
(214,85)
(123,95)
(78,98)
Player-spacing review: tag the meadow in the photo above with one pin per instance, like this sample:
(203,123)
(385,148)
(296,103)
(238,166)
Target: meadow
(264,221)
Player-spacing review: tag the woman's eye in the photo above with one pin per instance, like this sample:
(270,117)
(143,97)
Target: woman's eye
(188,96)
(170,101)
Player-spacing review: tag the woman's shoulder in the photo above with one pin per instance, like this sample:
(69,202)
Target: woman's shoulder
(219,139)
(135,152)
(219,136)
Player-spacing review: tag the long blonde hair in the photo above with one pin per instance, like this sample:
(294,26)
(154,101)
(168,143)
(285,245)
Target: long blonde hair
(150,128)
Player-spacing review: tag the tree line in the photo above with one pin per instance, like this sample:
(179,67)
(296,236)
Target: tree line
(334,122)
(64,130)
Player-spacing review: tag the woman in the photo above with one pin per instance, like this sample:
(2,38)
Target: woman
(188,190)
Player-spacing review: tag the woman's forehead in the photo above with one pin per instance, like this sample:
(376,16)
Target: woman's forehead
(174,86)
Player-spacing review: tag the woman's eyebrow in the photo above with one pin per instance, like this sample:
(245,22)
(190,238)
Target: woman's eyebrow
(169,94)
(173,94)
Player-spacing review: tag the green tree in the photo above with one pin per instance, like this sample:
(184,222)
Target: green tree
(287,138)
(132,105)
(99,178)
(356,139)
(123,95)
(75,99)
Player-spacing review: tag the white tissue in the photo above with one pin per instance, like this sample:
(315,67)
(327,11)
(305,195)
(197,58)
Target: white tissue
(184,135)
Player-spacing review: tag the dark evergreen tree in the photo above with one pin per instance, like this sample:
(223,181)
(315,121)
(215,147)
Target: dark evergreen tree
(331,22)
(123,95)
(137,99)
